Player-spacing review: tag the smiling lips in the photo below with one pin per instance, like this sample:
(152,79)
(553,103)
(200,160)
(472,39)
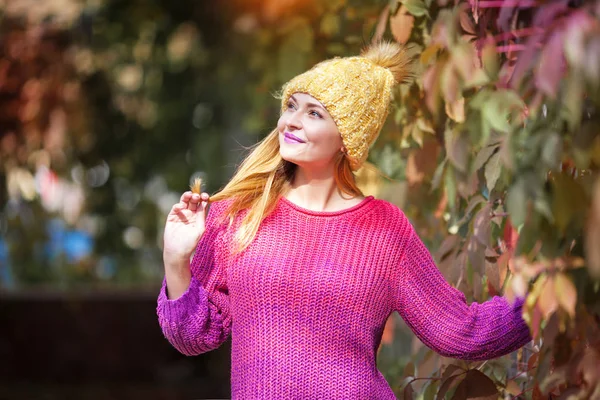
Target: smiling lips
(290,138)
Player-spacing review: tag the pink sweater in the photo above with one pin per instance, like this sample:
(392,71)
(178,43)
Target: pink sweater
(306,303)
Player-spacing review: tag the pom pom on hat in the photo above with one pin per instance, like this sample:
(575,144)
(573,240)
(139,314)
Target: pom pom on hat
(390,55)
(356,91)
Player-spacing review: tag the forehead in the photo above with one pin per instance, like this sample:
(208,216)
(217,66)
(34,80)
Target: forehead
(306,98)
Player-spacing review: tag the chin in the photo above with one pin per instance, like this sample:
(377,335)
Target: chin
(288,157)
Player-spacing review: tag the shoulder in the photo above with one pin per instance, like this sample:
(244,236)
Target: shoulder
(382,208)
(218,212)
(219,207)
(389,217)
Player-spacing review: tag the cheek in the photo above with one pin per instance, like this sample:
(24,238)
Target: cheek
(281,123)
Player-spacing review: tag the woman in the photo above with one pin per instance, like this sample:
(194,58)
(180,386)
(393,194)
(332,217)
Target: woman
(301,269)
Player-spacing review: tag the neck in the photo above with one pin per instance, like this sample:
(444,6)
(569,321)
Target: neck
(317,190)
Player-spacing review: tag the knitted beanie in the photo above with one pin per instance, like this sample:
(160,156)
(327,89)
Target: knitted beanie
(356,91)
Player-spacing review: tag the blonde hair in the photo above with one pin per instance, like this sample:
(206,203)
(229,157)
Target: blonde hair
(262,178)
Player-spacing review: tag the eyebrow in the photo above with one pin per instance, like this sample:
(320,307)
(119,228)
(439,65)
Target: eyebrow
(308,103)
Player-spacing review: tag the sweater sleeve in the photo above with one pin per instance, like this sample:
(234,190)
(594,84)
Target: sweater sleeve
(440,317)
(199,320)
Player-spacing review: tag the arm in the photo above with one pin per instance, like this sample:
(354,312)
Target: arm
(440,316)
(199,320)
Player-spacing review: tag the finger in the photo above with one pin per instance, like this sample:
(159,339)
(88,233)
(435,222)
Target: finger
(205,196)
(178,207)
(186,196)
(193,204)
(181,215)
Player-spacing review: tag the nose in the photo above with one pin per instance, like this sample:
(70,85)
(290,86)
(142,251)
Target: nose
(293,120)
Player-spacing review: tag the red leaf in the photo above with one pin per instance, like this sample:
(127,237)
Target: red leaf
(525,60)
(476,386)
(447,384)
(511,236)
(552,65)
(547,13)
(465,20)
(408,392)
(481,224)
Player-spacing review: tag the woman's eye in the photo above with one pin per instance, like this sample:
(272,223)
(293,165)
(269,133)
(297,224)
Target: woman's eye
(316,114)
(290,105)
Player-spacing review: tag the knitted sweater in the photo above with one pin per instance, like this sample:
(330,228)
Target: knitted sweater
(306,303)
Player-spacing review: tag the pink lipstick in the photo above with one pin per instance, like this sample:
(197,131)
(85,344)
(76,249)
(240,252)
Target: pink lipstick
(290,138)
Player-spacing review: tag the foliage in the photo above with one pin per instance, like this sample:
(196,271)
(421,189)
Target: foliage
(510,94)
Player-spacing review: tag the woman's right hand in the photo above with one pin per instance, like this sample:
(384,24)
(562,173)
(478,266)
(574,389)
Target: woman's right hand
(184,227)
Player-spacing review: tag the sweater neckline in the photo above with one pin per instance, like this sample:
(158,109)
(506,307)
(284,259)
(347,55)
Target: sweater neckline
(307,211)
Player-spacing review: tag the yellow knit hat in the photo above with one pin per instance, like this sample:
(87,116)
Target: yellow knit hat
(356,91)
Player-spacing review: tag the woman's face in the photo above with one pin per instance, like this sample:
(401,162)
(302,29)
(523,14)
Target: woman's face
(308,135)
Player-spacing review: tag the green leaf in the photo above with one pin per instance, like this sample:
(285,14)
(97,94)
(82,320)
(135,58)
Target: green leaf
(494,116)
(409,369)
(429,393)
(450,185)
(493,168)
(516,202)
(489,58)
(438,174)
(569,200)
(496,110)
(572,101)
(552,150)
(416,7)
(479,78)
(456,148)
(394,5)
(482,156)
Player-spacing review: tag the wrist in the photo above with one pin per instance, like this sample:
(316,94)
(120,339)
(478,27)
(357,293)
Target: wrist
(176,261)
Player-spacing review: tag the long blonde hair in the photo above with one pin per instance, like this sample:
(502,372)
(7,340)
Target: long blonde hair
(261,179)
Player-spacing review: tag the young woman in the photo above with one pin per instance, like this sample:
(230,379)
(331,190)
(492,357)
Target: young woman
(301,269)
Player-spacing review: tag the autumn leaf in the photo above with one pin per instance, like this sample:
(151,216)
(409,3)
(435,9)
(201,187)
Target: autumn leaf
(401,25)
(547,301)
(566,293)
(456,110)
(476,385)
(513,388)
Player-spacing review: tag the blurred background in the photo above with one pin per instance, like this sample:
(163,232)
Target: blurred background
(110,108)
